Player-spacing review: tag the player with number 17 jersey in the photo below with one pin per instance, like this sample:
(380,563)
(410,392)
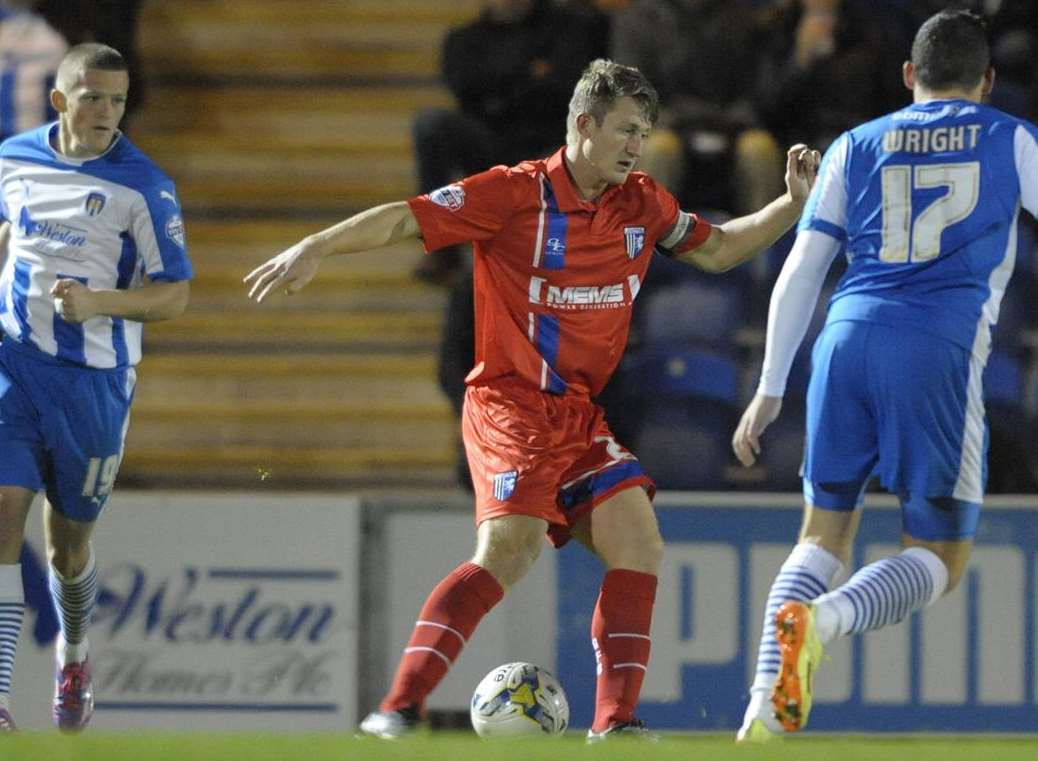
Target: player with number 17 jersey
(925,202)
(555,280)
(904,194)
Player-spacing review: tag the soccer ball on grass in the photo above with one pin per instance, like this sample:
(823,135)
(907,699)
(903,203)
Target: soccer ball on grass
(519,699)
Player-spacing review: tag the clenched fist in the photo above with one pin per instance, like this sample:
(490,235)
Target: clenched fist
(73,301)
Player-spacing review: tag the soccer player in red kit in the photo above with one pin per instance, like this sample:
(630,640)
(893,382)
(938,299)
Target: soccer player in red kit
(561,246)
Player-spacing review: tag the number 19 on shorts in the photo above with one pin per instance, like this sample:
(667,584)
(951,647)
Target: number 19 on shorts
(100,476)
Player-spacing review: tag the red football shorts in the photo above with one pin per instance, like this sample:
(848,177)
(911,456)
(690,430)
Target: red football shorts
(547,456)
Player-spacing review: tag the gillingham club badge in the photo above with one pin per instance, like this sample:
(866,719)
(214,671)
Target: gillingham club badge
(634,239)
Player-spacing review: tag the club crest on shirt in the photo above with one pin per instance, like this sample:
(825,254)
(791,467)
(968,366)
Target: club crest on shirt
(94,203)
(449,196)
(504,484)
(634,238)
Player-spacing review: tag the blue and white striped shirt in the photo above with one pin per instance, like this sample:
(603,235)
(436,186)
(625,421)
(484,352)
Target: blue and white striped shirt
(925,202)
(108,221)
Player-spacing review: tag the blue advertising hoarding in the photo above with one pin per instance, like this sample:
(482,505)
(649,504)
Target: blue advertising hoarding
(965,664)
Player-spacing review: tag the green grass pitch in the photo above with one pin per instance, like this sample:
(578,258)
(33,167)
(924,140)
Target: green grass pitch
(30,746)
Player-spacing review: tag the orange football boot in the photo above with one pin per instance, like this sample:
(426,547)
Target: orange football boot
(801,652)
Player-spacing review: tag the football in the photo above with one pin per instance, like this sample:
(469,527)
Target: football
(519,699)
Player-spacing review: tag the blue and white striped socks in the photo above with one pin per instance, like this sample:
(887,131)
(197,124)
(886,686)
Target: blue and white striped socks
(74,602)
(881,594)
(12,611)
(808,572)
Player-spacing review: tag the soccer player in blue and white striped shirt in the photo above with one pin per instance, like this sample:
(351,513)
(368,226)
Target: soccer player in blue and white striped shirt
(95,247)
(924,203)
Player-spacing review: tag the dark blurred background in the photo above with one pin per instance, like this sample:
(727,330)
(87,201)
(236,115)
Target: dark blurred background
(278,118)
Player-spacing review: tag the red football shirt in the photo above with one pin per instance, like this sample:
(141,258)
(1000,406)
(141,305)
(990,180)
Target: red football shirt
(555,276)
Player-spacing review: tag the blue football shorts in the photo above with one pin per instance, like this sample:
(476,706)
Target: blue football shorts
(62,428)
(904,405)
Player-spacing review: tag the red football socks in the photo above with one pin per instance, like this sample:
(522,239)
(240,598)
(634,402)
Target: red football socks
(448,618)
(620,636)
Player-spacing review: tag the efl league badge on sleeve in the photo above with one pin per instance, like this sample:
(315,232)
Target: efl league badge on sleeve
(449,196)
(94,203)
(175,230)
(634,237)
(504,485)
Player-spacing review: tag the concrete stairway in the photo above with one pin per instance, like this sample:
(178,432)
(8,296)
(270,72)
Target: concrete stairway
(277,119)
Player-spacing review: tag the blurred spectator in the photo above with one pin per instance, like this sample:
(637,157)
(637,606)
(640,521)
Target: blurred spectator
(1014,54)
(30,51)
(597,14)
(827,68)
(111,22)
(701,54)
(512,71)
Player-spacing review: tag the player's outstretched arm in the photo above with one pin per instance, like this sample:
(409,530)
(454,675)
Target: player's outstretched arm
(151,302)
(294,267)
(740,239)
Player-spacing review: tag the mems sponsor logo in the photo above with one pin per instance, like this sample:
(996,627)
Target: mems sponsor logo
(584,297)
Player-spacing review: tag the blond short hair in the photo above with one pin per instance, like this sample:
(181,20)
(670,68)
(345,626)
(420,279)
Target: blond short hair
(600,85)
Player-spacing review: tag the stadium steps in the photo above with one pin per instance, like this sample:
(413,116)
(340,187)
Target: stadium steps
(385,41)
(263,106)
(306,148)
(365,302)
(225,251)
(317,166)
(274,331)
(305,423)
(216,188)
(282,467)
(286,378)
(233,381)
(335,420)
(220,286)
(283,119)
(277,119)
